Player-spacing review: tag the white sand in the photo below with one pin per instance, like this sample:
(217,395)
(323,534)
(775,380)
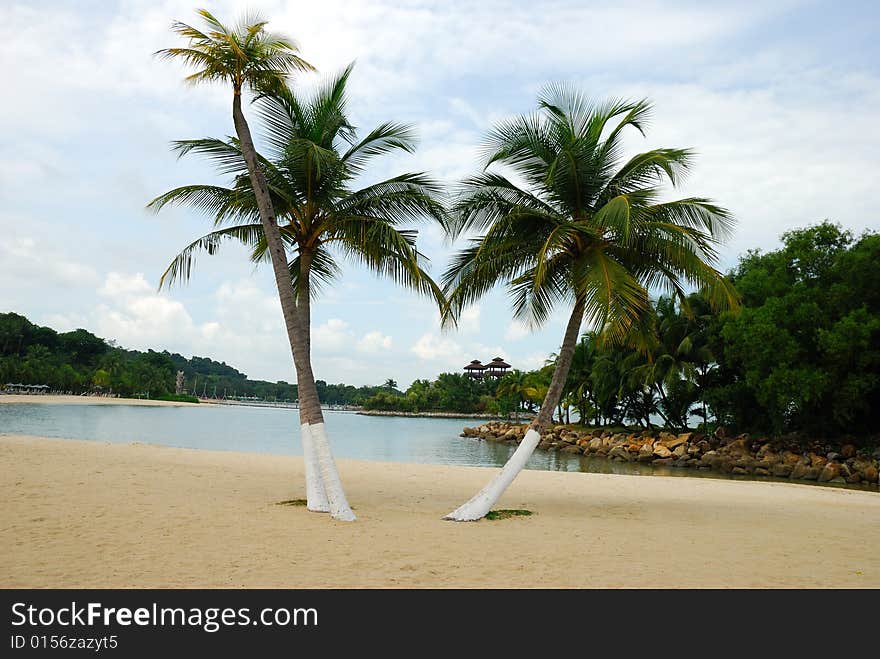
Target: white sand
(92,514)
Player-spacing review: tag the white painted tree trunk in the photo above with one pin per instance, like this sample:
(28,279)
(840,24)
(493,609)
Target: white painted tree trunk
(316,497)
(339,508)
(483,500)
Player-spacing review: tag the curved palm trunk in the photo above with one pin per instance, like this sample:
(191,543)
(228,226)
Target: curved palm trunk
(483,501)
(315,454)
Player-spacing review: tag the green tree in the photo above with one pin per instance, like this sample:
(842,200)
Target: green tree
(517,385)
(247,56)
(313,154)
(804,354)
(587,231)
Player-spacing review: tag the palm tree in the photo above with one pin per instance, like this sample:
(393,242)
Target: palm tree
(587,230)
(390,384)
(517,385)
(249,57)
(313,153)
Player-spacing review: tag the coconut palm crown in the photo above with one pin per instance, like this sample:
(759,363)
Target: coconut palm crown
(585,228)
(246,55)
(311,157)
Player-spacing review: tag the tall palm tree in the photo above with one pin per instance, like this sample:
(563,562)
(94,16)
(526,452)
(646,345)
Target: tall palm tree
(587,230)
(248,57)
(312,154)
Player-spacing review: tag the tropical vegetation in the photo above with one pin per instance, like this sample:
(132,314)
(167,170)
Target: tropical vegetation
(589,232)
(293,204)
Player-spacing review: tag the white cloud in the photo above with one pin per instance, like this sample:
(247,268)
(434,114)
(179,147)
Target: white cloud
(332,336)
(531,362)
(30,261)
(118,285)
(374,341)
(432,347)
(516,330)
(469,321)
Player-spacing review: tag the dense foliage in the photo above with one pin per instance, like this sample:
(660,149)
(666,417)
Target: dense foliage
(801,355)
(804,354)
(79,362)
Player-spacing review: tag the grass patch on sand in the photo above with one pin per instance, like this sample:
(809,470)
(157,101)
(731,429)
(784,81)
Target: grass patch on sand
(292,502)
(506,513)
(300,502)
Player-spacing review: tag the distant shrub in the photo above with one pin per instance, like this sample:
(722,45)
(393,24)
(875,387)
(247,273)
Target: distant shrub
(177,398)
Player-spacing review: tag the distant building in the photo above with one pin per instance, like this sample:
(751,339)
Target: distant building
(495,369)
(475,369)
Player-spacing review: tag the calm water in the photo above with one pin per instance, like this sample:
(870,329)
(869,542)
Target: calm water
(276,431)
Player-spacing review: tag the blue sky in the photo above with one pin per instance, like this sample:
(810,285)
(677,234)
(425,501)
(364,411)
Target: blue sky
(779,99)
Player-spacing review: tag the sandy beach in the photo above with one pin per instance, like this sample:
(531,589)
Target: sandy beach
(12,399)
(92,514)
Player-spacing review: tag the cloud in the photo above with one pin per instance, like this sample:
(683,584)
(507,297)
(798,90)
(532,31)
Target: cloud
(333,335)
(516,331)
(118,285)
(431,347)
(374,341)
(29,261)
(469,321)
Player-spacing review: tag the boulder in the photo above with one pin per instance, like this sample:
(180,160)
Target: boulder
(782,470)
(646,453)
(740,470)
(818,461)
(673,441)
(790,458)
(595,444)
(761,471)
(869,473)
(829,472)
(662,452)
(738,447)
(663,461)
(799,470)
(680,450)
(570,448)
(620,453)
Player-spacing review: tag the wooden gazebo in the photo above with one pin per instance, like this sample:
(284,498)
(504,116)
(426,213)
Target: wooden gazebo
(497,367)
(475,369)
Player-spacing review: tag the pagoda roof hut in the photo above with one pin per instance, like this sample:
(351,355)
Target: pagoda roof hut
(475,369)
(497,367)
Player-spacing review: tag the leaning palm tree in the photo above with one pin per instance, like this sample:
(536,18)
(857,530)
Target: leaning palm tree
(248,57)
(312,155)
(587,231)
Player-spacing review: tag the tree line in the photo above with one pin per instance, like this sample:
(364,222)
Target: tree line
(80,362)
(801,355)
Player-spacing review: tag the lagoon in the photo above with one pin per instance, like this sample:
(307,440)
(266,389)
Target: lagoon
(275,431)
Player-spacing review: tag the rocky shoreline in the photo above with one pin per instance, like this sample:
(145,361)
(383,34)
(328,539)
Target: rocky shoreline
(741,454)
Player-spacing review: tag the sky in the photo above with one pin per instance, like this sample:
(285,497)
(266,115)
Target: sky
(779,100)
